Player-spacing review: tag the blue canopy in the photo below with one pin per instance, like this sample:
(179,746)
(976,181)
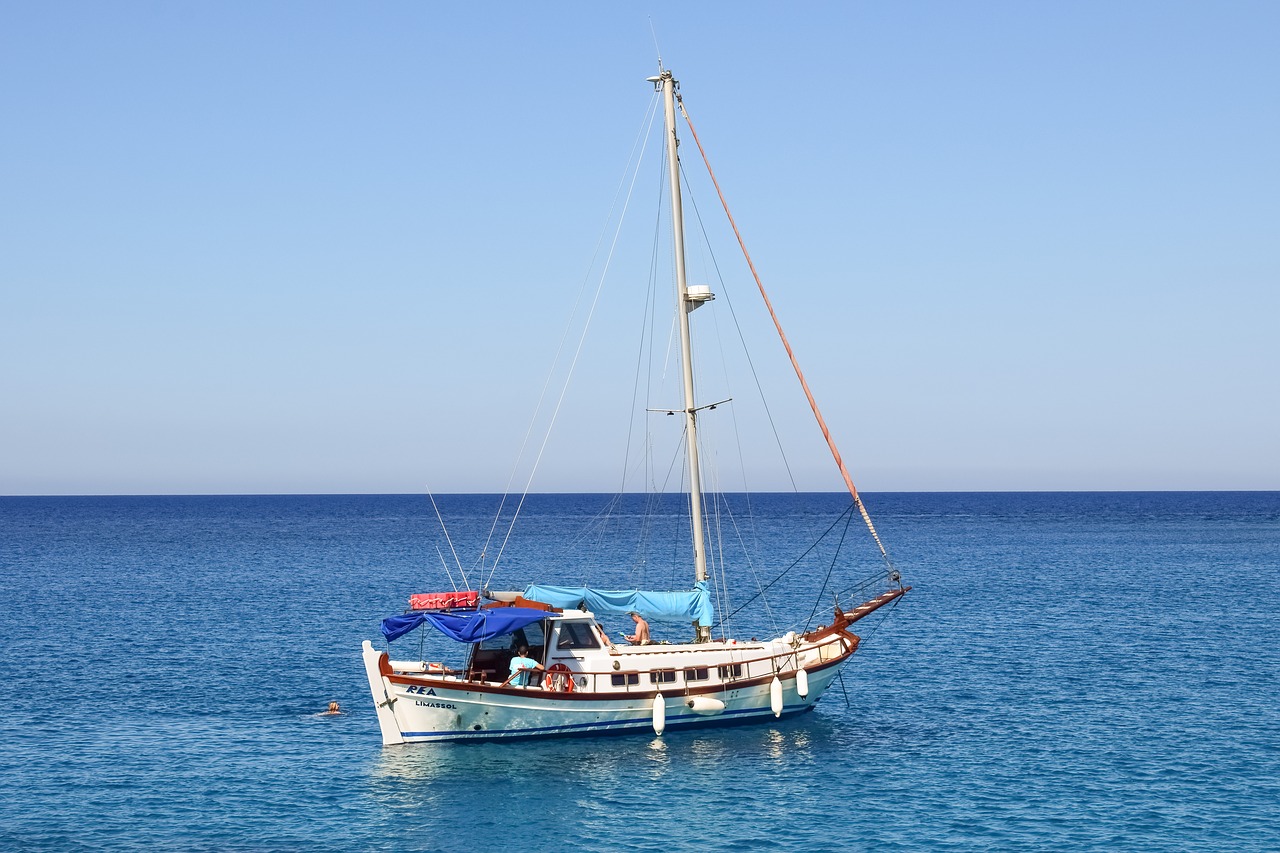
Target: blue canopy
(661,606)
(465,626)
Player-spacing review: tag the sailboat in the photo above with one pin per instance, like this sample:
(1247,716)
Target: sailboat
(538,663)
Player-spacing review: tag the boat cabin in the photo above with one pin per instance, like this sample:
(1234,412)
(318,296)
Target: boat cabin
(565,637)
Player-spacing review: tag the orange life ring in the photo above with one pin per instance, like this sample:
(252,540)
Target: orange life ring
(558,678)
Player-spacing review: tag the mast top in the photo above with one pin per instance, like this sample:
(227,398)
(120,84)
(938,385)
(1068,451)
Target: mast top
(662,75)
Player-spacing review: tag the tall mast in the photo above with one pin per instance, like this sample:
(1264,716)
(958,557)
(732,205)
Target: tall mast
(684,306)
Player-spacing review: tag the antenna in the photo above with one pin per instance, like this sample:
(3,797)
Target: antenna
(452,550)
(656,49)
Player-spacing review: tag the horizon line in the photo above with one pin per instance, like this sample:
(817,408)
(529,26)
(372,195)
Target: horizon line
(673,494)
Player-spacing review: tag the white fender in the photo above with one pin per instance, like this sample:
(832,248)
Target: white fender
(705,705)
(409,665)
(775,696)
(659,714)
(802,682)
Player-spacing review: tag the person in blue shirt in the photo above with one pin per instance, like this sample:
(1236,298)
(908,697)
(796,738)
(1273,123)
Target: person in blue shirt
(521,666)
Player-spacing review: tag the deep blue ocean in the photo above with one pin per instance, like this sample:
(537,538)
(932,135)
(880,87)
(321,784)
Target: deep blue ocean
(1070,672)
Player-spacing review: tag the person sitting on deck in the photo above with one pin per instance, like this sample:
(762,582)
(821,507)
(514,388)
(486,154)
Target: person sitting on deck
(641,636)
(521,666)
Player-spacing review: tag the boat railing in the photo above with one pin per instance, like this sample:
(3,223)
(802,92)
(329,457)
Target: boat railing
(726,672)
(671,673)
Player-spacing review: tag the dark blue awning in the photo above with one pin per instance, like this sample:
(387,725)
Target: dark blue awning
(465,626)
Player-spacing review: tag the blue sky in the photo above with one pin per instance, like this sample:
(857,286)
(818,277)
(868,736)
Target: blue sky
(330,247)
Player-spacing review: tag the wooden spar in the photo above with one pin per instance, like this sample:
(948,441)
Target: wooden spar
(526,603)
(795,364)
(844,620)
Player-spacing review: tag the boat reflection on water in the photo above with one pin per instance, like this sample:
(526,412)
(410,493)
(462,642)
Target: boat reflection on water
(603,761)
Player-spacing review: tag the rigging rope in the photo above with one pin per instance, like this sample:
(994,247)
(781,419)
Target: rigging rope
(452,550)
(813,404)
(831,568)
(652,111)
(783,573)
(768,412)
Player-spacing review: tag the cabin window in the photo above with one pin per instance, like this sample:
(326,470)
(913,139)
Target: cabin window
(491,658)
(662,676)
(731,671)
(532,635)
(624,679)
(577,635)
(698,674)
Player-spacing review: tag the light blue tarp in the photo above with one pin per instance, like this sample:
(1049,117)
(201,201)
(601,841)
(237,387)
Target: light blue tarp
(465,626)
(660,606)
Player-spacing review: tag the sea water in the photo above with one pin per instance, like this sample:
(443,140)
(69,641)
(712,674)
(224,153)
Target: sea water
(1069,672)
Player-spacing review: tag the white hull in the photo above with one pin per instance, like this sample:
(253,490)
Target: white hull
(417,707)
